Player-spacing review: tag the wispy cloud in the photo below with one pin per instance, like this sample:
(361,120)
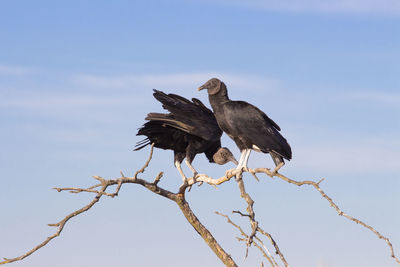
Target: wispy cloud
(377,97)
(352,156)
(54,101)
(322,6)
(88,92)
(14,70)
(176,81)
(343,155)
(360,152)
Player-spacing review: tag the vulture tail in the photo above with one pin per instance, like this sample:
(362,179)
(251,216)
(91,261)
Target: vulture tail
(141,144)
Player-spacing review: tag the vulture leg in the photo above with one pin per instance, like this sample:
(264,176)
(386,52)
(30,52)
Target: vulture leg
(275,171)
(191,168)
(244,158)
(190,154)
(241,158)
(279,162)
(178,158)
(178,166)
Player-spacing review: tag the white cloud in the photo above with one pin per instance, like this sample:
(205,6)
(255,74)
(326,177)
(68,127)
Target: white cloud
(378,97)
(322,6)
(60,101)
(74,107)
(13,70)
(177,81)
(359,153)
(352,156)
(95,91)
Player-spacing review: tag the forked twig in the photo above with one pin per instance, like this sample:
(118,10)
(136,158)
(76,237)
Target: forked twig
(264,250)
(178,198)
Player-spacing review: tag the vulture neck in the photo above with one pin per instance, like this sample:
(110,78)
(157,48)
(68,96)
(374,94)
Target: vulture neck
(212,150)
(220,98)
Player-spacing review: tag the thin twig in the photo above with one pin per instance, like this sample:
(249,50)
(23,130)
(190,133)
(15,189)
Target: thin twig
(316,185)
(147,162)
(264,250)
(60,226)
(277,250)
(249,209)
(104,183)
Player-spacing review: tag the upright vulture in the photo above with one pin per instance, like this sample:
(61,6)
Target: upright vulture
(247,125)
(189,129)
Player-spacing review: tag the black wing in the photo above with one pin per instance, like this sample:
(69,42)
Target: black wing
(169,120)
(250,123)
(192,117)
(162,136)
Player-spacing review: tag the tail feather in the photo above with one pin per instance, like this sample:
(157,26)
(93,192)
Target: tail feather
(141,144)
(169,119)
(276,158)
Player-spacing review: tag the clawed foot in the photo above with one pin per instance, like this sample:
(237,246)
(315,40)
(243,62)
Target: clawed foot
(275,171)
(230,172)
(195,174)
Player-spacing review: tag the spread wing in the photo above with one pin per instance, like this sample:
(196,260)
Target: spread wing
(192,117)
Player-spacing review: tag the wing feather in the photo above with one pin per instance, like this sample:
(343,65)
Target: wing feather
(192,117)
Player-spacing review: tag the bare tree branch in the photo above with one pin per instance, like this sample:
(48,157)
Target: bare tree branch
(60,226)
(264,250)
(249,209)
(316,185)
(178,198)
(336,207)
(277,250)
(100,190)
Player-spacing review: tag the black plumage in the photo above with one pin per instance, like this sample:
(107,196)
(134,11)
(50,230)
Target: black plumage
(247,125)
(189,129)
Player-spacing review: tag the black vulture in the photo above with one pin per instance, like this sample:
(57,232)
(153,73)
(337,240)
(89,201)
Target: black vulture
(247,125)
(189,129)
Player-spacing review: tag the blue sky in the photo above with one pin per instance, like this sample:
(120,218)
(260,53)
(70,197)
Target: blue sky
(76,82)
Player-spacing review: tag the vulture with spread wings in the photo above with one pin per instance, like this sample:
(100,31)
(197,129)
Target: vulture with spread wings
(188,129)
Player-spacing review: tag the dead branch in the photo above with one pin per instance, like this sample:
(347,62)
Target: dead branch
(316,185)
(251,214)
(100,190)
(264,250)
(178,198)
(60,226)
(277,250)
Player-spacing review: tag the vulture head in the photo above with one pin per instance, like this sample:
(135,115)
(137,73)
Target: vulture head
(223,156)
(213,86)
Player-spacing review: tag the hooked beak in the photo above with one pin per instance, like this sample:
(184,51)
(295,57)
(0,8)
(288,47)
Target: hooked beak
(204,86)
(232,158)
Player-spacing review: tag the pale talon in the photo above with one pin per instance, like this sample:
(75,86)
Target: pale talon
(189,188)
(275,171)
